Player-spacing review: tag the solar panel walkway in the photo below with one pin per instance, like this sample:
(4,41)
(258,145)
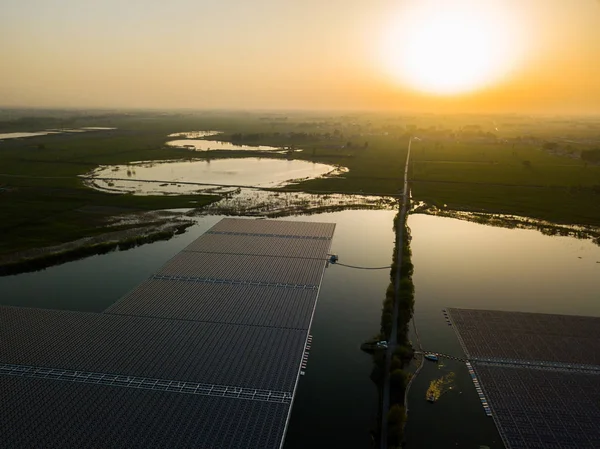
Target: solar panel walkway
(540,374)
(206,353)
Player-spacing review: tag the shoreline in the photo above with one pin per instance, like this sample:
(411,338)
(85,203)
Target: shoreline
(39,259)
(549,228)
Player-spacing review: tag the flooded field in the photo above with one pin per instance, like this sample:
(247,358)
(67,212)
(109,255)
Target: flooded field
(195,134)
(22,135)
(4,136)
(177,177)
(214,145)
(254,202)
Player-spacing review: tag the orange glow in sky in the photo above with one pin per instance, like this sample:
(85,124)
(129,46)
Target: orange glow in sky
(422,55)
(455,46)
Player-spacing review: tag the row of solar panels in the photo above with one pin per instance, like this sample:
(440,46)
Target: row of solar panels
(548,404)
(278,228)
(50,414)
(235,304)
(246,267)
(230,354)
(261,246)
(529,336)
(120,378)
(543,408)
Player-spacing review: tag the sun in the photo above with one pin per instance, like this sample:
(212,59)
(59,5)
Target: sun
(451,47)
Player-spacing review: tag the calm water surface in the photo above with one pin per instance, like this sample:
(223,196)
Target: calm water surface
(336,402)
(457,264)
(193,142)
(208,145)
(21,135)
(255,172)
(463,264)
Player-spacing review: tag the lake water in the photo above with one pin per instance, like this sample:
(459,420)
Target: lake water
(194,141)
(255,172)
(463,264)
(210,145)
(336,402)
(457,264)
(21,135)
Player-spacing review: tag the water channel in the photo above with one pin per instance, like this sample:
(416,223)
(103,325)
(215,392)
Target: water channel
(457,264)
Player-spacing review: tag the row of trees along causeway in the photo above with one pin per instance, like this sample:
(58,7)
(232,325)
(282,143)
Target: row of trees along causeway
(403,353)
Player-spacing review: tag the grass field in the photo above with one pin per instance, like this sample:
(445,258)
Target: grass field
(45,203)
(519,179)
(36,216)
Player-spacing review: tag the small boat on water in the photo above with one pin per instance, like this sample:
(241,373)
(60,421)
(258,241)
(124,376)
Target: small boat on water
(431,356)
(431,398)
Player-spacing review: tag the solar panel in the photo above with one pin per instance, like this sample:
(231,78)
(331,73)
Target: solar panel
(205,353)
(261,245)
(540,374)
(244,267)
(528,336)
(565,413)
(229,303)
(277,228)
(230,354)
(53,414)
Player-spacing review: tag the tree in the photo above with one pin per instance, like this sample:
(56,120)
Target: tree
(403,352)
(398,378)
(396,415)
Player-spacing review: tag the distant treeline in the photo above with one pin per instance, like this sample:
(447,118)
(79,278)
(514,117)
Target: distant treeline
(40,123)
(295,136)
(591,155)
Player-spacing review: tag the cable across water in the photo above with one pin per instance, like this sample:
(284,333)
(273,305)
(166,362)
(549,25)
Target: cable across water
(387,267)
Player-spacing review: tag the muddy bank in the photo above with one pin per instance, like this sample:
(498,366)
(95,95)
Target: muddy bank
(265,203)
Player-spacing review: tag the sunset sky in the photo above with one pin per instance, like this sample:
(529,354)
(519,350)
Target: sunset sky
(423,55)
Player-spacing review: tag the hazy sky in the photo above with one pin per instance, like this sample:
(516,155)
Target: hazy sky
(282,54)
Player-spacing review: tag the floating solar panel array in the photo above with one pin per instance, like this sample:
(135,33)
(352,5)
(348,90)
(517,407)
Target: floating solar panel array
(540,373)
(558,339)
(206,353)
(543,408)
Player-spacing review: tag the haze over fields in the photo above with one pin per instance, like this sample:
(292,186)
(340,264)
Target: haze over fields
(424,55)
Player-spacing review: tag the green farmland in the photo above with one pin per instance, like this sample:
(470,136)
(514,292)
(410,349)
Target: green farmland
(460,162)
